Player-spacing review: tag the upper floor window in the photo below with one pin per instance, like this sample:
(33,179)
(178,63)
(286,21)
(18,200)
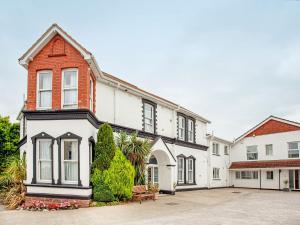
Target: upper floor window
(216,149)
(190,130)
(44,90)
(269,150)
(70,88)
(293,149)
(181,128)
(91,94)
(190,167)
(226,152)
(252,153)
(149,117)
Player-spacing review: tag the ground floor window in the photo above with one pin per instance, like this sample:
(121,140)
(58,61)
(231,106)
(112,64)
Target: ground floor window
(180,170)
(44,170)
(70,161)
(216,173)
(153,171)
(237,175)
(270,175)
(249,174)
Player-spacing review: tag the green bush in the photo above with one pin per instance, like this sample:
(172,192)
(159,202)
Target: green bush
(115,183)
(105,148)
(101,191)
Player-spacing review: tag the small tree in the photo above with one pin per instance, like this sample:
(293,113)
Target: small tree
(105,148)
(136,151)
(9,139)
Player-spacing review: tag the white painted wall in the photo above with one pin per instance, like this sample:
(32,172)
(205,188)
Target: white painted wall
(279,141)
(55,128)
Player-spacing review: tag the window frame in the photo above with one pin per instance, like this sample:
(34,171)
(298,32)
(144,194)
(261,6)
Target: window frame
(216,149)
(298,149)
(190,160)
(38,160)
(69,106)
(216,173)
(268,150)
(182,170)
(63,161)
(153,124)
(181,119)
(237,175)
(190,133)
(247,152)
(270,175)
(91,94)
(226,150)
(38,90)
(252,175)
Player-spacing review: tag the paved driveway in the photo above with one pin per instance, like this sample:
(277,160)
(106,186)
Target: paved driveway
(213,207)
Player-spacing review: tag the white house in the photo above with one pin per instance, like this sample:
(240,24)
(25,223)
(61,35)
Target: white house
(267,156)
(69,97)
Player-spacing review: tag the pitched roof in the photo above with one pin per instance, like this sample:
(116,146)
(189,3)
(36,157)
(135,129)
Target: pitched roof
(271,125)
(56,29)
(265,164)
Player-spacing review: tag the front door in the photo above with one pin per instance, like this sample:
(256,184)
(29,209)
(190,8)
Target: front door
(153,174)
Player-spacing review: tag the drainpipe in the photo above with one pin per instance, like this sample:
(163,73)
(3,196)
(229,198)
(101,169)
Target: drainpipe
(279,172)
(260,179)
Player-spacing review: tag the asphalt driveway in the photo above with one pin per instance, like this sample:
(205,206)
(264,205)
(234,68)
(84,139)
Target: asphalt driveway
(213,207)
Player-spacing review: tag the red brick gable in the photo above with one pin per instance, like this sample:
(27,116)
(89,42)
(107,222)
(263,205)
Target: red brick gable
(57,55)
(271,127)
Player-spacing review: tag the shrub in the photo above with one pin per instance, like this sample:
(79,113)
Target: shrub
(115,183)
(101,191)
(105,148)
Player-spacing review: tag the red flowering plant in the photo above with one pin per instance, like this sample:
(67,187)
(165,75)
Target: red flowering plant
(40,205)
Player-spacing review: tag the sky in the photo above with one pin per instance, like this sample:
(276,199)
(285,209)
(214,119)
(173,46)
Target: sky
(232,62)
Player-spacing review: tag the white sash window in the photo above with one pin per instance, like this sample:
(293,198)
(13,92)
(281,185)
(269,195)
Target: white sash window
(44,90)
(44,165)
(181,128)
(70,161)
(190,130)
(180,173)
(70,88)
(190,171)
(216,173)
(149,117)
(252,153)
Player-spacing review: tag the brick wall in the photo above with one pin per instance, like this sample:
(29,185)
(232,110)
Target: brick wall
(81,203)
(273,126)
(57,55)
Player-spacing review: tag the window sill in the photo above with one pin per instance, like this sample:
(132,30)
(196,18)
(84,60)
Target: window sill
(186,184)
(216,179)
(217,154)
(58,185)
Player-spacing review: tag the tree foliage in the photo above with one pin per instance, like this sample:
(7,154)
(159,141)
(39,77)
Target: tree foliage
(9,139)
(116,182)
(105,148)
(136,151)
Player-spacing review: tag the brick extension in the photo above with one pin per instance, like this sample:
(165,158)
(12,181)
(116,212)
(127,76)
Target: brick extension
(57,55)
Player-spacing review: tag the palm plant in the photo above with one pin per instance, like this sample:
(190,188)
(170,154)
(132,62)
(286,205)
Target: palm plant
(11,182)
(136,151)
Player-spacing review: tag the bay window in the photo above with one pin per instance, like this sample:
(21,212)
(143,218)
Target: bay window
(44,90)
(70,88)
(252,153)
(44,157)
(181,128)
(190,130)
(70,161)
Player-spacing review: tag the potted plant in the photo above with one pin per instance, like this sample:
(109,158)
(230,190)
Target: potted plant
(154,190)
(286,188)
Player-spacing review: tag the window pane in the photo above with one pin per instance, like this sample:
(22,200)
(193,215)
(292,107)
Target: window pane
(45,81)
(70,79)
(293,145)
(155,174)
(45,170)
(45,98)
(71,171)
(45,150)
(70,97)
(70,150)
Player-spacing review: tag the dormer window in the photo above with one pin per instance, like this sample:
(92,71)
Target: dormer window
(70,89)
(181,128)
(149,116)
(44,90)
